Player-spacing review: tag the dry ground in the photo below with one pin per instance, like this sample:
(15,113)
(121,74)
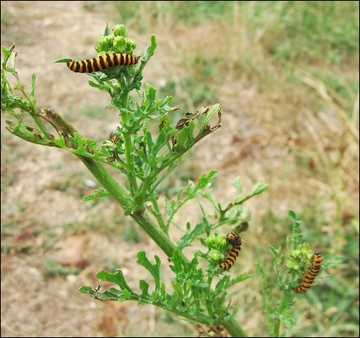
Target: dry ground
(35,305)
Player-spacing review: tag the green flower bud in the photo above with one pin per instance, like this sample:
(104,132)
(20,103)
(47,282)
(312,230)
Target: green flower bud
(120,43)
(105,44)
(215,256)
(119,30)
(217,242)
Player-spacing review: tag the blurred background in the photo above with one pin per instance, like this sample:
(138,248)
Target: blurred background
(287,75)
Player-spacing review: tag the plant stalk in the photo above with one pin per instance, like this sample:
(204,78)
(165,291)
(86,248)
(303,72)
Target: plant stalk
(114,189)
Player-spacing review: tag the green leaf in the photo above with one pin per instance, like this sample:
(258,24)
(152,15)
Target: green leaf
(27,133)
(32,89)
(206,179)
(144,287)
(7,53)
(240,278)
(117,278)
(276,252)
(150,50)
(238,186)
(176,259)
(100,86)
(107,30)
(185,138)
(296,236)
(292,216)
(120,295)
(63,60)
(154,269)
(189,236)
(178,289)
(85,289)
(97,193)
(213,110)
(258,189)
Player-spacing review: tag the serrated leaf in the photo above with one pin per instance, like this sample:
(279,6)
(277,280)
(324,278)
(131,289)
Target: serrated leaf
(117,278)
(176,259)
(154,269)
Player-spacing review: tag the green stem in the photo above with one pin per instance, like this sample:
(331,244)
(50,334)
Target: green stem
(277,321)
(130,163)
(276,328)
(234,328)
(107,181)
(114,189)
(157,214)
(158,236)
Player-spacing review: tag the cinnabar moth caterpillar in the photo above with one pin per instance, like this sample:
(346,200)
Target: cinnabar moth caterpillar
(309,275)
(234,239)
(102,62)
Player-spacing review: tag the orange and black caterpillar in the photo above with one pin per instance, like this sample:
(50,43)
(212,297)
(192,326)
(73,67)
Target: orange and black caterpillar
(309,275)
(234,239)
(102,62)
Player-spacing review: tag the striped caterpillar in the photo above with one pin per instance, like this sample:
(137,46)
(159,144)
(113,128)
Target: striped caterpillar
(309,275)
(234,239)
(102,62)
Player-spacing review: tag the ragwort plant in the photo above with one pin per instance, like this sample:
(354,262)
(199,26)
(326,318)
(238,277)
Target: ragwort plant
(146,159)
